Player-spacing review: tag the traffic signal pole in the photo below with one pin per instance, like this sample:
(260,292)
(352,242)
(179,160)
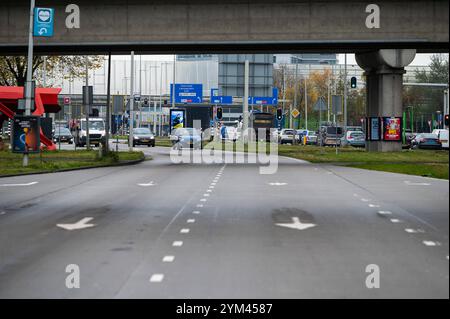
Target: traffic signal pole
(131,119)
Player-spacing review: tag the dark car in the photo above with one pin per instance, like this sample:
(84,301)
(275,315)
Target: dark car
(426,141)
(62,134)
(143,136)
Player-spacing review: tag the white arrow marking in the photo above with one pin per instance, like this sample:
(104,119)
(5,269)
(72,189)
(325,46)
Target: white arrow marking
(78,225)
(13,185)
(147,184)
(297,224)
(277,184)
(416,184)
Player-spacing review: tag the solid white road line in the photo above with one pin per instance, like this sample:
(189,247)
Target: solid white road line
(157,278)
(168,259)
(15,185)
(177,243)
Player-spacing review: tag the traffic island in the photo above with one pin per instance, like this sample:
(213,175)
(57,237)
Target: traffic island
(59,161)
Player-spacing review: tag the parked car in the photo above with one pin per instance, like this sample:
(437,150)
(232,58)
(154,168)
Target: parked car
(311,138)
(287,136)
(143,136)
(426,141)
(62,134)
(186,138)
(442,136)
(354,138)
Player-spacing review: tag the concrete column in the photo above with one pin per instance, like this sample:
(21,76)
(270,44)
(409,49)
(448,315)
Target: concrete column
(384,71)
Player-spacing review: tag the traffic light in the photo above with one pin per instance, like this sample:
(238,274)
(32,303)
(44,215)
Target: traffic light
(446,120)
(279,114)
(146,102)
(353,82)
(219,113)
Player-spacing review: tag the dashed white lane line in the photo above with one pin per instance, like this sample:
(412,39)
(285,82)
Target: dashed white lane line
(2,213)
(190,221)
(209,191)
(213,184)
(416,184)
(411,231)
(430,243)
(364,200)
(196,212)
(15,185)
(373,205)
(199,205)
(177,243)
(355,195)
(184,230)
(206,195)
(395,220)
(203,200)
(156,278)
(168,259)
(384,212)
(211,187)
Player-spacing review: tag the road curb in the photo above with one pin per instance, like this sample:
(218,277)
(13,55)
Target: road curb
(125,163)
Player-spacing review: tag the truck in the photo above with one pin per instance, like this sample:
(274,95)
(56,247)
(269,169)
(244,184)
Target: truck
(331,135)
(260,120)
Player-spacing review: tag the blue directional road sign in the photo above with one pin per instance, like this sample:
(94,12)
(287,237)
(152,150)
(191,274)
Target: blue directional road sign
(265,100)
(43,22)
(218,99)
(187,93)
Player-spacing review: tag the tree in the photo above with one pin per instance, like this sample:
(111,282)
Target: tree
(13,69)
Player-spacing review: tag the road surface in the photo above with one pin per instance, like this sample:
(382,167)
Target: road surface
(164,230)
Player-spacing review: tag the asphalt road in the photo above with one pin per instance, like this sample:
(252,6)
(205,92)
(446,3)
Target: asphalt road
(164,230)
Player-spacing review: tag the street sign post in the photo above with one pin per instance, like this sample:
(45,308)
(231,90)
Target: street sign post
(43,22)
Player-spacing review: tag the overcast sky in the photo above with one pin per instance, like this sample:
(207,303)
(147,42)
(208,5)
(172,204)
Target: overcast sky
(421,59)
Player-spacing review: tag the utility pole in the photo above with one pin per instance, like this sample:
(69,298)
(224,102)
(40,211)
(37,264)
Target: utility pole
(108,105)
(174,81)
(245,104)
(345,94)
(306,105)
(295,84)
(87,106)
(131,118)
(29,85)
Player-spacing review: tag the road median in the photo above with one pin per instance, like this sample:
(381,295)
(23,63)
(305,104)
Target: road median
(61,161)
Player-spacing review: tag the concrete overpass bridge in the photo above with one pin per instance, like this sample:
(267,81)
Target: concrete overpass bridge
(384,34)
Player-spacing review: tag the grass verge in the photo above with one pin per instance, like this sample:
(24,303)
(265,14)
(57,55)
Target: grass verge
(11,164)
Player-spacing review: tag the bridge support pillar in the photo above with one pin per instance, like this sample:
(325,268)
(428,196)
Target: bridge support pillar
(384,71)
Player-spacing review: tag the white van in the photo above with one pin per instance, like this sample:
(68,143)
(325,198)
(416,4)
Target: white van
(443,137)
(97,132)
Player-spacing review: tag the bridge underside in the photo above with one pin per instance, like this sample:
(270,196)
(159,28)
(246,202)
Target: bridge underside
(238,26)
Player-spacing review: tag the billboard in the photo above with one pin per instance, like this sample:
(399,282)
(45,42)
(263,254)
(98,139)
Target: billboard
(392,129)
(177,119)
(26,134)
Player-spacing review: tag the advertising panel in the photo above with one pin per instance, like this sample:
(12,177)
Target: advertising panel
(392,129)
(177,119)
(26,134)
